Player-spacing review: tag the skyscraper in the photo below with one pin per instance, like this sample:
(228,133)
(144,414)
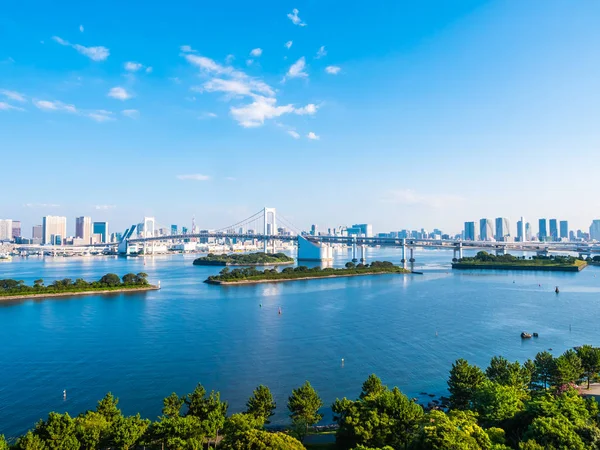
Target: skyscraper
(470,231)
(553,230)
(521,230)
(101,228)
(37,232)
(6,229)
(365,228)
(595,230)
(83,229)
(543,230)
(564,229)
(313,230)
(528,232)
(486,230)
(173,229)
(16,229)
(502,229)
(54,229)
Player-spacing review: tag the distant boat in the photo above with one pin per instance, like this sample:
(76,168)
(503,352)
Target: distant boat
(556,290)
(525,335)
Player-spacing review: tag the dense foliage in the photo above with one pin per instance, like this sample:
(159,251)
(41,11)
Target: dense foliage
(483,258)
(290,273)
(532,406)
(109,281)
(242,259)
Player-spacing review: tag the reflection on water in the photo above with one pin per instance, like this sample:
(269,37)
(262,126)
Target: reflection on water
(407,329)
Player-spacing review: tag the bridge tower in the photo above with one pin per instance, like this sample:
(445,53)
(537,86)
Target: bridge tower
(270,223)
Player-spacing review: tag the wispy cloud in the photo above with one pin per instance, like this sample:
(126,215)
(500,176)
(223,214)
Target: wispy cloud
(149,69)
(321,52)
(297,70)
(100,115)
(13,95)
(256,52)
(411,197)
(229,59)
(312,136)
(119,93)
(131,113)
(207,115)
(249,62)
(40,205)
(288,44)
(186,49)
(309,109)
(230,178)
(333,70)
(293,16)
(293,134)
(132,66)
(94,53)
(104,207)
(194,177)
(8,107)
(46,105)
(81,28)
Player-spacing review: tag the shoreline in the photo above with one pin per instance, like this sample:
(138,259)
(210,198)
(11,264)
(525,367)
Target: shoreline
(463,266)
(226,264)
(75,294)
(281,280)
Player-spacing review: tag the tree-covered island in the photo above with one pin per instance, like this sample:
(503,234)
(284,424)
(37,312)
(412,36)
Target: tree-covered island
(109,283)
(485,260)
(244,259)
(250,275)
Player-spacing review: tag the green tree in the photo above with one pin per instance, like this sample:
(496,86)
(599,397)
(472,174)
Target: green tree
(554,433)
(107,407)
(529,366)
(39,283)
(457,430)
(3,443)
(141,278)
(503,372)
(567,369)
(30,441)
(496,402)
(127,431)
(210,410)
(129,278)
(263,440)
(590,361)
(463,382)
(179,433)
(172,405)
(58,432)
(91,429)
(544,366)
(350,265)
(304,405)
(372,387)
(261,404)
(111,280)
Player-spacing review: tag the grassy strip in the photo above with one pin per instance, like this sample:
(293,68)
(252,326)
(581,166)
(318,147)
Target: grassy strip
(252,259)
(67,292)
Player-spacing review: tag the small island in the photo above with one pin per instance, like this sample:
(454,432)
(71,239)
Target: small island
(252,276)
(109,283)
(244,259)
(486,261)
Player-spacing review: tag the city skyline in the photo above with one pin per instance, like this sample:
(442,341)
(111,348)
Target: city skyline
(308,111)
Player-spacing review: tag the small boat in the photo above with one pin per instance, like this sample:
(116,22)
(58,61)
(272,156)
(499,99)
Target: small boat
(556,290)
(525,335)
(535,335)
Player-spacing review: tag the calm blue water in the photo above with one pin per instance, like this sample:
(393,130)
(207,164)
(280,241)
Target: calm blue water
(144,346)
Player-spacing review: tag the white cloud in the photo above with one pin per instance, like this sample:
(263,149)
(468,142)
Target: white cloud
(12,95)
(309,109)
(131,113)
(254,114)
(40,205)
(46,105)
(81,28)
(175,80)
(256,52)
(119,93)
(293,134)
(94,53)
(207,115)
(249,62)
(104,207)
(333,70)
(100,115)
(229,59)
(244,87)
(411,197)
(186,49)
(313,136)
(296,70)
(293,16)
(149,69)
(288,44)
(195,177)
(7,107)
(132,66)
(321,52)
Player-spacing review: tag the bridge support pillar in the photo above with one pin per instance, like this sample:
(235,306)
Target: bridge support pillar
(412,254)
(354,250)
(403,247)
(500,251)
(363,253)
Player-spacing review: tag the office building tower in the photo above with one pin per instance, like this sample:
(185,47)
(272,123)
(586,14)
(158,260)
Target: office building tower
(521,230)
(5,229)
(528,232)
(16,229)
(470,231)
(366,229)
(571,235)
(54,229)
(101,228)
(502,229)
(173,229)
(543,230)
(486,230)
(553,230)
(595,230)
(83,229)
(37,232)
(314,230)
(564,229)
(184,230)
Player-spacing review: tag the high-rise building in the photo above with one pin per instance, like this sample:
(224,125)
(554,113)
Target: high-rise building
(521,230)
(528,232)
(571,235)
(101,228)
(54,229)
(6,229)
(314,230)
(16,229)
(83,229)
(486,230)
(553,230)
(470,231)
(543,230)
(564,229)
(37,232)
(173,229)
(595,230)
(502,229)
(366,229)
(184,230)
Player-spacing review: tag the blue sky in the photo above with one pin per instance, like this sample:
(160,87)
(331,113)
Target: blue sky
(401,114)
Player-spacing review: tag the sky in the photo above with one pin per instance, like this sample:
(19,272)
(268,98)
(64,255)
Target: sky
(396,113)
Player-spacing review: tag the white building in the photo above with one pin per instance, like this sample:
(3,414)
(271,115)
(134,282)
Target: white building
(83,229)
(6,229)
(54,229)
(595,230)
